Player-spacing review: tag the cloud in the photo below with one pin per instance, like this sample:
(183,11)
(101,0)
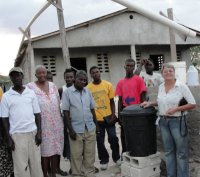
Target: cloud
(17,13)
(8,50)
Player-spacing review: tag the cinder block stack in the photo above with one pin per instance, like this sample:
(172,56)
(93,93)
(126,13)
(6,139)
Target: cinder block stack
(140,166)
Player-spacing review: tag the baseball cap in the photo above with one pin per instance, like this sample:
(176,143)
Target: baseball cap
(16,69)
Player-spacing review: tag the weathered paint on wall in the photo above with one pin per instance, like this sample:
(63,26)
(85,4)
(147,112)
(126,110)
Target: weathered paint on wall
(115,36)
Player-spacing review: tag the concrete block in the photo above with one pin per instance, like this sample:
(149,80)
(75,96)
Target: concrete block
(125,169)
(150,171)
(141,162)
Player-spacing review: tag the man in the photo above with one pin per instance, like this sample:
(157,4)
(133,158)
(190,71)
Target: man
(131,90)
(103,94)
(69,77)
(80,119)
(1,92)
(151,78)
(22,123)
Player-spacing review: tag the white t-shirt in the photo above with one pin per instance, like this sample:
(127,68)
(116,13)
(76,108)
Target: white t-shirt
(152,80)
(173,97)
(64,87)
(20,109)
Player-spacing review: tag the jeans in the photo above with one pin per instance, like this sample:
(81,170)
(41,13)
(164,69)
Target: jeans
(123,142)
(175,147)
(112,139)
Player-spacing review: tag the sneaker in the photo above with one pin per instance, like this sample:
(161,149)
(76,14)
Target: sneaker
(70,171)
(66,159)
(62,173)
(118,162)
(104,166)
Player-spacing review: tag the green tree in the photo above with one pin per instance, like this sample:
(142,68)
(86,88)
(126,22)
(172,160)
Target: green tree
(195,56)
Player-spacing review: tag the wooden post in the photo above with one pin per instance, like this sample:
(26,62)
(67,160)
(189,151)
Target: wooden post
(30,58)
(61,22)
(133,54)
(172,37)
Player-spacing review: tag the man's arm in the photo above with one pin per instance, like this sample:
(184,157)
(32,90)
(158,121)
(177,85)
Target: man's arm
(143,97)
(68,124)
(120,108)
(139,68)
(38,136)
(60,91)
(6,126)
(113,116)
(95,120)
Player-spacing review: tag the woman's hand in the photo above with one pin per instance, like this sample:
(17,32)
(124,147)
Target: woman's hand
(145,104)
(171,111)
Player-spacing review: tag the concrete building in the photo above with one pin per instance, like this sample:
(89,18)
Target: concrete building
(106,42)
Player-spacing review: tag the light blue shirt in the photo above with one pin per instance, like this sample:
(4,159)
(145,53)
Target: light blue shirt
(79,105)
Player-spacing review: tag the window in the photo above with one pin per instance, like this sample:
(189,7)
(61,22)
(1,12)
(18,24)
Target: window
(102,62)
(50,63)
(178,53)
(138,58)
(158,61)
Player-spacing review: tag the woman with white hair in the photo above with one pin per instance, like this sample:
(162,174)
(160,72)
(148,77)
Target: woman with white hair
(173,125)
(52,123)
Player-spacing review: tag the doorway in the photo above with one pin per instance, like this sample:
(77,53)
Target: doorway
(158,61)
(79,63)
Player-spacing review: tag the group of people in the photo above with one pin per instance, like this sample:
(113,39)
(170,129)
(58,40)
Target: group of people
(39,126)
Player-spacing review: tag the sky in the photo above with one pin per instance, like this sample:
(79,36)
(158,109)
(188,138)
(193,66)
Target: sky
(18,13)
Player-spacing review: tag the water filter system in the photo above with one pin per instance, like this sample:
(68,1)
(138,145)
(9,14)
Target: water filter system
(192,76)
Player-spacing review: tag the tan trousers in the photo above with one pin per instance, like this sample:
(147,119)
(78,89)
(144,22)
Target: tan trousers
(83,154)
(26,156)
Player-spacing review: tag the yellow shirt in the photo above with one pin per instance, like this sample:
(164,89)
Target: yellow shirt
(1,93)
(102,93)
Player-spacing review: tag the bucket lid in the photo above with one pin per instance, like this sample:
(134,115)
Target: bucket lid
(138,110)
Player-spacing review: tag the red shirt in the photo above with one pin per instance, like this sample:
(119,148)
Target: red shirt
(130,90)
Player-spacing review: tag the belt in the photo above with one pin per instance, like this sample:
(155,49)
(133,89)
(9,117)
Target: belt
(169,117)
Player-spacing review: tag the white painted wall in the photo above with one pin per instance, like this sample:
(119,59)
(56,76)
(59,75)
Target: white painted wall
(116,30)
(114,36)
(117,57)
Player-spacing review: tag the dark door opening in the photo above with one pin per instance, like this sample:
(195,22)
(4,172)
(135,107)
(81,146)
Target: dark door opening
(158,61)
(79,63)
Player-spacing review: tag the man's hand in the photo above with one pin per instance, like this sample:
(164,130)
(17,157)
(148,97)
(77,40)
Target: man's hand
(143,62)
(119,119)
(38,138)
(11,143)
(113,120)
(72,134)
